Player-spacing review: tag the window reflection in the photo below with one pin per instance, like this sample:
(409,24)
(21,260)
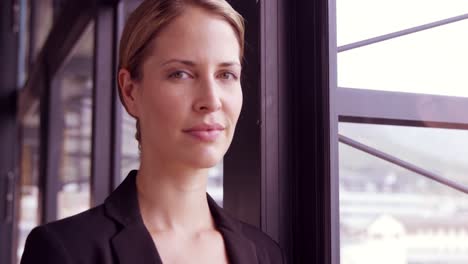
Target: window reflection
(391,215)
(76,85)
(441,151)
(28,211)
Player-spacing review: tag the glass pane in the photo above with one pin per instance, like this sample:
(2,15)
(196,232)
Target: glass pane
(433,61)
(215,183)
(442,151)
(362,19)
(76,84)
(29,191)
(389,215)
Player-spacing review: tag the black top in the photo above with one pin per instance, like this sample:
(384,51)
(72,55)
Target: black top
(114,233)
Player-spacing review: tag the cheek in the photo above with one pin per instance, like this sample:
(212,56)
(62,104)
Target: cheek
(164,108)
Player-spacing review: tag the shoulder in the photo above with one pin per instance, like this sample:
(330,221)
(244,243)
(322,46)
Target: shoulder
(43,245)
(67,239)
(268,248)
(89,224)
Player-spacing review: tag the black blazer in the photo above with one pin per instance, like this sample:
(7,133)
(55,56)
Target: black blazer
(114,233)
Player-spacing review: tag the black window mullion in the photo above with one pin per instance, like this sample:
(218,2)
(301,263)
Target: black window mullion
(117,108)
(103,148)
(334,180)
(51,134)
(276,139)
(314,135)
(270,118)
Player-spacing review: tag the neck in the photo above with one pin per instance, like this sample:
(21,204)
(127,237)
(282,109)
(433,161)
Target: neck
(173,199)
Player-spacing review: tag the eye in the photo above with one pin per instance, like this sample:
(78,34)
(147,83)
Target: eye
(179,75)
(227,76)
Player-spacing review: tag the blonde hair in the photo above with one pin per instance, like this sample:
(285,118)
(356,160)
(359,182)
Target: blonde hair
(150,17)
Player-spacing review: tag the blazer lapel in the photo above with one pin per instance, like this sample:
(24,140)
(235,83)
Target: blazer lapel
(239,248)
(133,244)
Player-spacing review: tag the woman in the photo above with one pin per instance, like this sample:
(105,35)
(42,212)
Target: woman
(180,67)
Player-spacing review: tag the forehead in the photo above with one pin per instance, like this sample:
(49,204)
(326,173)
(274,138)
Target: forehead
(197,35)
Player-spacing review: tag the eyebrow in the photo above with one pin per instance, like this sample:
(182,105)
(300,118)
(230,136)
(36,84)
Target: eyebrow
(192,64)
(230,63)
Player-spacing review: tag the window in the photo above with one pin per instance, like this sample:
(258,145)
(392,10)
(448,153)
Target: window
(76,86)
(28,211)
(403,131)
(431,61)
(392,215)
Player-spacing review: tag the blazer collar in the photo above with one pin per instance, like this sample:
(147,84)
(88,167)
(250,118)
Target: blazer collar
(133,244)
(239,248)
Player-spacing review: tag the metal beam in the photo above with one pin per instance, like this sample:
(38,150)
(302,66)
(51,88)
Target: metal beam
(400,33)
(396,108)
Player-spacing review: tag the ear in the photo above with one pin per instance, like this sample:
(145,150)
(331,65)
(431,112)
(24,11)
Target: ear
(129,92)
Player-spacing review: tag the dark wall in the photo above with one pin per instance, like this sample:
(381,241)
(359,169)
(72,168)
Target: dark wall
(8,127)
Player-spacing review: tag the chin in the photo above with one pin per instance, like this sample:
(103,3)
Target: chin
(205,160)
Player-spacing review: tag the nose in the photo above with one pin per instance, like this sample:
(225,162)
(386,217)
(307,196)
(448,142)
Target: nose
(208,99)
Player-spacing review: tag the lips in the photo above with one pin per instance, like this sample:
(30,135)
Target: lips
(205,132)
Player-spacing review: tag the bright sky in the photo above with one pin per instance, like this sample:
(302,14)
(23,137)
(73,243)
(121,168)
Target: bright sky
(433,61)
